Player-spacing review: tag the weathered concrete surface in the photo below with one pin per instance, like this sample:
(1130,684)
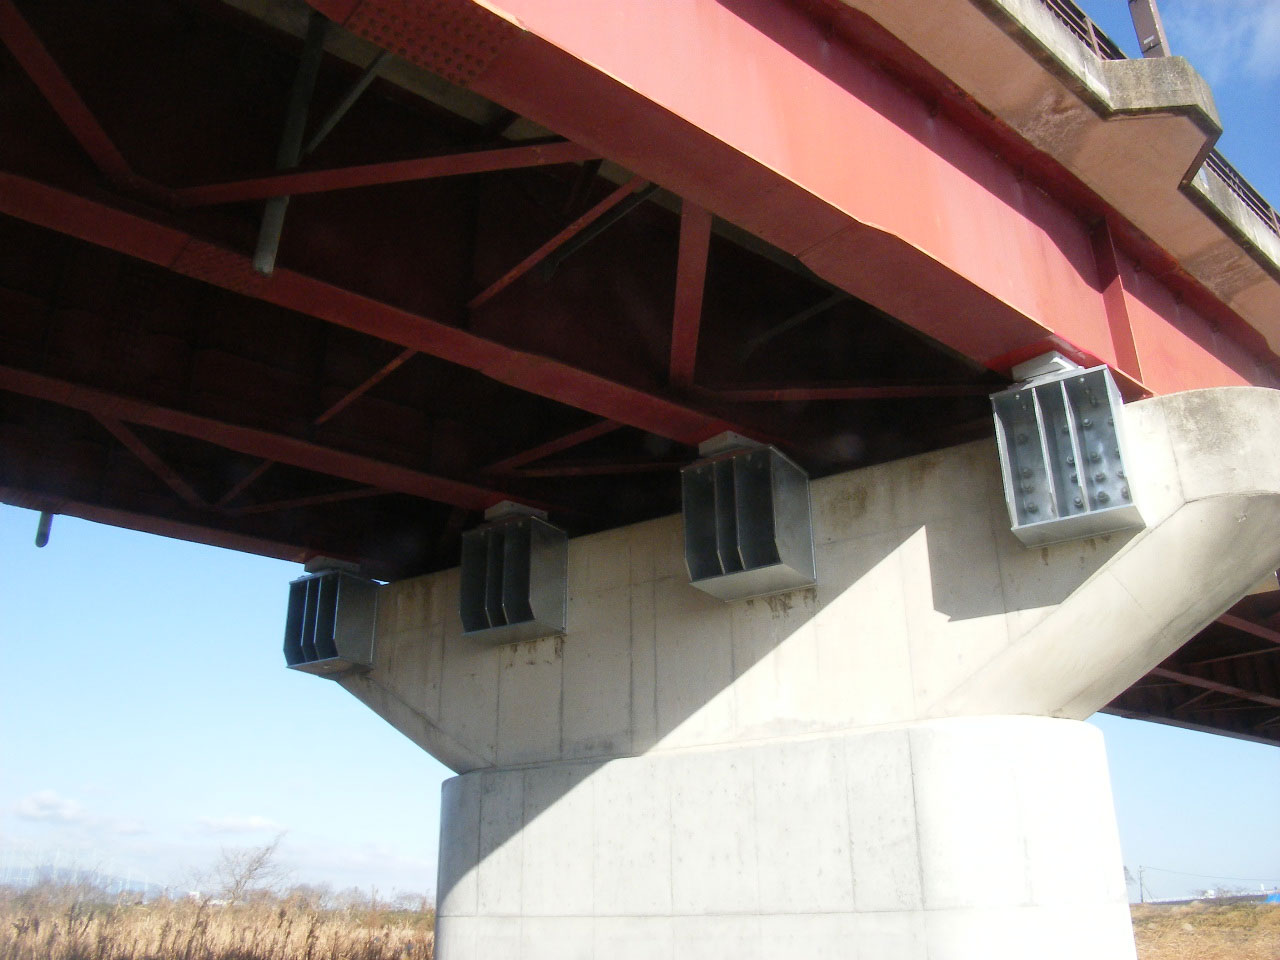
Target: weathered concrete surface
(926,607)
(855,769)
(982,838)
(1135,131)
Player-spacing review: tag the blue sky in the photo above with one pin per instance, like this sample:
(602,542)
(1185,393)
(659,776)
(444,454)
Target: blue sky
(1235,45)
(147,719)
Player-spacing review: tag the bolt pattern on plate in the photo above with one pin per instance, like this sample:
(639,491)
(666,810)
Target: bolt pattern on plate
(1061,442)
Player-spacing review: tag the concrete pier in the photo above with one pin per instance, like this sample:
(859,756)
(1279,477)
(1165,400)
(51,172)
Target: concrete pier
(866,768)
(982,838)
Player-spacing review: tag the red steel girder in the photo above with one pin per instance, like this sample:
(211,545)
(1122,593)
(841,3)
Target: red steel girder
(44,71)
(145,523)
(691,275)
(763,393)
(1249,627)
(565,442)
(555,242)
(390,367)
(172,479)
(244,483)
(341,404)
(297,182)
(252,441)
(600,468)
(1204,683)
(817,150)
(315,500)
(170,247)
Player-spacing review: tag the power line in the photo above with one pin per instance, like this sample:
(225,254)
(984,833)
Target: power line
(1210,876)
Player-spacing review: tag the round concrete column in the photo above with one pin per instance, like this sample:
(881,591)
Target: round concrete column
(991,838)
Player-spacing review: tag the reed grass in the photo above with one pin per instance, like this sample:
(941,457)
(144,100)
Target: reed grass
(60,924)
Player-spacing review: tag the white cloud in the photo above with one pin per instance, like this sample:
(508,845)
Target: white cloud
(1226,38)
(48,806)
(253,824)
(126,828)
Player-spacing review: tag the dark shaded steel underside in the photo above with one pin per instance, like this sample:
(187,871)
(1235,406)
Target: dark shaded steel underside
(434,339)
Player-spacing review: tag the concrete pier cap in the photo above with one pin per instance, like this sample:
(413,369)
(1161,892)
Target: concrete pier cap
(888,764)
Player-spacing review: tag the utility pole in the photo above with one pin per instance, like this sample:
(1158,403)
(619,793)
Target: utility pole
(1142,884)
(1150,28)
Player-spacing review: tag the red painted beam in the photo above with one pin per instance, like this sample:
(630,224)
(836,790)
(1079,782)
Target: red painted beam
(145,523)
(244,483)
(298,182)
(1115,301)
(153,462)
(557,241)
(62,96)
(252,441)
(691,275)
(147,239)
(817,149)
(600,468)
(566,442)
(396,362)
(319,499)
(345,401)
(792,394)
(1249,627)
(1204,683)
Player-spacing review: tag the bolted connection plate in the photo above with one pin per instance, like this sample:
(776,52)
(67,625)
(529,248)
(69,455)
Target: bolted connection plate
(1062,456)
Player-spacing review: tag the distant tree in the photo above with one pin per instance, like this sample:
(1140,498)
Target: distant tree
(310,896)
(243,869)
(411,902)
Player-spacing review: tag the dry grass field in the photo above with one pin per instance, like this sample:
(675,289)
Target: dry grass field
(66,924)
(1208,931)
(60,924)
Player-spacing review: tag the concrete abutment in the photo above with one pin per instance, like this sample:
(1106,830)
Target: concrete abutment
(889,764)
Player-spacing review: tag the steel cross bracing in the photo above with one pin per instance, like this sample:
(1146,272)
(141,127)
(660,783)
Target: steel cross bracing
(153,237)
(465,307)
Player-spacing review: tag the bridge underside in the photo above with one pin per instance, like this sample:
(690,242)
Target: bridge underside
(467,308)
